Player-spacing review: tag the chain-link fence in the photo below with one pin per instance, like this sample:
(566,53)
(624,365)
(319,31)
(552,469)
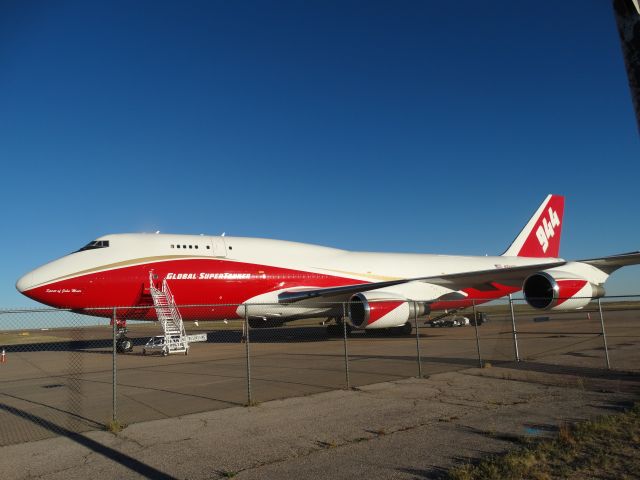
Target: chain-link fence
(64,371)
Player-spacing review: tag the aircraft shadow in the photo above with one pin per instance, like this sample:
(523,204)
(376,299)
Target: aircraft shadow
(258,335)
(131,463)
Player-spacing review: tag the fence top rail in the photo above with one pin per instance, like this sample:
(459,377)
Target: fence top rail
(33,310)
(316,304)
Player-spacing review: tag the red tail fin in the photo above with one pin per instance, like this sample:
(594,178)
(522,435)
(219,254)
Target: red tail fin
(541,236)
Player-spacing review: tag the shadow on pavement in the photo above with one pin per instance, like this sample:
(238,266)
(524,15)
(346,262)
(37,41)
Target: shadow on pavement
(125,460)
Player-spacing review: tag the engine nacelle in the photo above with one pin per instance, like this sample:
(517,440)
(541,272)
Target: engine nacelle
(372,310)
(560,291)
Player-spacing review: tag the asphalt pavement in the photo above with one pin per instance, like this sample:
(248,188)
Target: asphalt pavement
(412,428)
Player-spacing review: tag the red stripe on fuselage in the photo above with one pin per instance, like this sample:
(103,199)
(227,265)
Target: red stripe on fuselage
(129,287)
(193,282)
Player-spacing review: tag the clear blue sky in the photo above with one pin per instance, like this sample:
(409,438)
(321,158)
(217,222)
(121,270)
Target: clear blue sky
(388,126)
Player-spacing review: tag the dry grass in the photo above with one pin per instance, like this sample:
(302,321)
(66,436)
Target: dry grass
(114,426)
(604,448)
(227,473)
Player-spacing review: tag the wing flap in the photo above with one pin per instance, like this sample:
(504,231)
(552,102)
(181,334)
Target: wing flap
(298,295)
(481,280)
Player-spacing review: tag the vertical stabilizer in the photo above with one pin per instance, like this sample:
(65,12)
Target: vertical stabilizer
(541,235)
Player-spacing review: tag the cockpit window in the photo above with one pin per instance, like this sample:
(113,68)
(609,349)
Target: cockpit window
(95,244)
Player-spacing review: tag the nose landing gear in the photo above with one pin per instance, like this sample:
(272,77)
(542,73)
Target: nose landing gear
(123,343)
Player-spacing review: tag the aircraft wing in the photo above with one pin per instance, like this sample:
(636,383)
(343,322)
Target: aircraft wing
(480,279)
(612,263)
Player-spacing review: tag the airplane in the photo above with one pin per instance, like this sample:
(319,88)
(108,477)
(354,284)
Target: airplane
(264,278)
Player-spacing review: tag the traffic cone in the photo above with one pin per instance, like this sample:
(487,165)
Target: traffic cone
(3,357)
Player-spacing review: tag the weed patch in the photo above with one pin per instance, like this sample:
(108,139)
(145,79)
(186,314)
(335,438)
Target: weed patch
(607,447)
(114,426)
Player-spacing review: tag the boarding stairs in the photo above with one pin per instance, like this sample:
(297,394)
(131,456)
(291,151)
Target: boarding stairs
(175,337)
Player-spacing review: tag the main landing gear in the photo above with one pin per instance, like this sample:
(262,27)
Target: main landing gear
(337,329)
(405,329)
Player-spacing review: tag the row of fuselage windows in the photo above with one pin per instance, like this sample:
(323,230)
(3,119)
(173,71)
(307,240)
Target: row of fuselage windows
(188,246)
(105,243)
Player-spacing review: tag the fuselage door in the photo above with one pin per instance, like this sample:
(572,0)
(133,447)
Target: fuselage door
(218,247)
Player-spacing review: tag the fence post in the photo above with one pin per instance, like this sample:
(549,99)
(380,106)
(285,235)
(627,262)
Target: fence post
(114,378)
(415,321)
(513,326)
(246,344)
(475,324)
(346,350)
(604,335)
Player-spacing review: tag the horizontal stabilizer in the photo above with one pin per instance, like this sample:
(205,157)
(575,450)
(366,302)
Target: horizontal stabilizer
(614,262)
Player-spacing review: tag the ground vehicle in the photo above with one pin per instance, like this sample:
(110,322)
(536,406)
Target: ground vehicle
(158,344)
(455,321)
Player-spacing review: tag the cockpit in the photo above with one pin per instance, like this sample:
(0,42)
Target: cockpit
(95,244)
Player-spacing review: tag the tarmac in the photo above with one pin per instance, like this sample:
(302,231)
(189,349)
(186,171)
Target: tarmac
(187,420)
(404,429)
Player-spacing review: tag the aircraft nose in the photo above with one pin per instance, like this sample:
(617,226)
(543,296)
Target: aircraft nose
(25,282)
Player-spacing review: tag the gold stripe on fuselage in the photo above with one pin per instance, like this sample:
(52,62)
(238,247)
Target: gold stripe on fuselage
(366,275)
(125,263)
(138,261)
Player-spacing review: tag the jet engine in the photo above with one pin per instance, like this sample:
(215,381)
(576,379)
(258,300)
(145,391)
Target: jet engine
(372,310)
(559,291)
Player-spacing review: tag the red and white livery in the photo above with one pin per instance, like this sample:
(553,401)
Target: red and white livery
(266,276)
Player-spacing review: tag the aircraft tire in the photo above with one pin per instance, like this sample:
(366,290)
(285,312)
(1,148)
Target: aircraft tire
(338,330)
(127,345)
(406,329)
(334,330)
(124,345)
